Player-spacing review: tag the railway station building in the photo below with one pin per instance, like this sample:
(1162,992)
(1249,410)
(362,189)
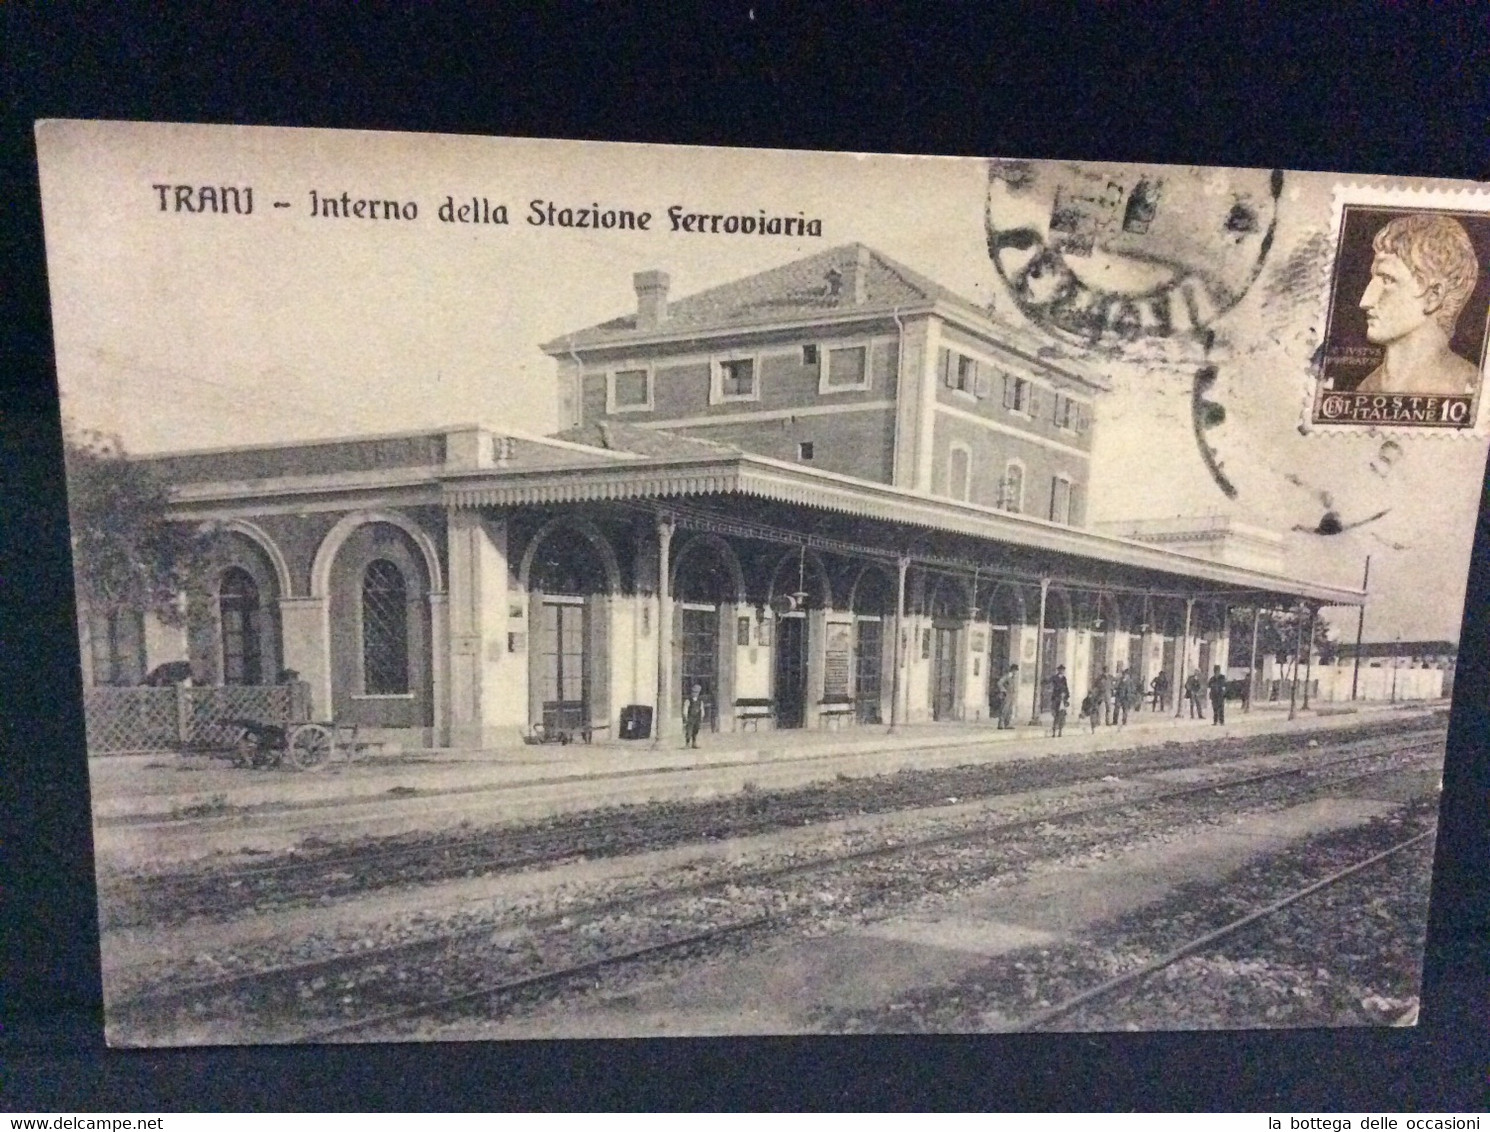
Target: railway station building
(832,494)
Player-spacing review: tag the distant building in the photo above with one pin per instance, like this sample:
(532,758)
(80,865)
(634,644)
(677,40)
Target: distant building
(835,492)
(1217,537)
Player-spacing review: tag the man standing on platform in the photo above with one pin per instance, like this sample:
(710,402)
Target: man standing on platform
(1060,700)
(1102,691)
(1008,687)
(1217,686)
(1192,695)
(1122,697)
(693,714)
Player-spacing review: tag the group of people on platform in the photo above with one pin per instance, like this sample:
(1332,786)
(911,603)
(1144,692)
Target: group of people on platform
(1113,696)
(1108,702)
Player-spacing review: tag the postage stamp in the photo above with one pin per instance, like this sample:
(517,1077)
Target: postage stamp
(1405,330)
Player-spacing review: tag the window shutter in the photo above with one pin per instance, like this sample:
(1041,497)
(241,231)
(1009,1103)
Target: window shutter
(1034,405)
(1008,391)
(983,388)
(944,363)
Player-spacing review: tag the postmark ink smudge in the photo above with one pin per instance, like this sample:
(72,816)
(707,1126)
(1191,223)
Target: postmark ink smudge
(1113,259)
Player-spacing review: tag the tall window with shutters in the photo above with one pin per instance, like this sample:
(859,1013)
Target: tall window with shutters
(1011,493)
(1016,394)
(385,630)
(1060,500)
(240,623)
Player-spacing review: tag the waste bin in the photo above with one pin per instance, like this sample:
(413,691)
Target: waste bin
(636,721)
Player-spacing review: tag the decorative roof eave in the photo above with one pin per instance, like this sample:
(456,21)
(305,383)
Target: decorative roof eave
(527,489)
(768,479)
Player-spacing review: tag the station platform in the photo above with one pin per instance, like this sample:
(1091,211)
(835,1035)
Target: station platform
(163,807)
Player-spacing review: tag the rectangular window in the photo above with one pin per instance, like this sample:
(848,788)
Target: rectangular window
(1060,500)
(847,368)
(809,355)
(631,389)
(967,374)
(945,368)
(1062,413)
(735,379)
(804,451)
(1016,393)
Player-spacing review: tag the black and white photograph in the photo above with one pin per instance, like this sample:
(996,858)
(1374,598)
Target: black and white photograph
(553,589)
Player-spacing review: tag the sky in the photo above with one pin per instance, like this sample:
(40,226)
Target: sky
(179,331)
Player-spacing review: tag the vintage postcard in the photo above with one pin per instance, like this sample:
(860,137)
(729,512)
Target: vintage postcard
(543,589)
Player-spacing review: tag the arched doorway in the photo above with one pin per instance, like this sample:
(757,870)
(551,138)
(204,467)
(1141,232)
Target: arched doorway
(240,627)
(568,672)
(1005,615)
(705,587)
(233,631)
(1101,613)
(873,604)
(799,588)
(947,608)
(1054,637)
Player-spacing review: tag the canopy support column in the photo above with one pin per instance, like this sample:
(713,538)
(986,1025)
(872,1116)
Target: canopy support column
(1039,652)
(902,565)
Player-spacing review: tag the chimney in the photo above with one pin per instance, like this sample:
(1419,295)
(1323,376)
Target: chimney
(651,298)
(856,276)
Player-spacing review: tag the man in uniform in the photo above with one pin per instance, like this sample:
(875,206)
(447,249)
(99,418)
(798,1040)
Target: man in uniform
(1060,700)
(1217,686)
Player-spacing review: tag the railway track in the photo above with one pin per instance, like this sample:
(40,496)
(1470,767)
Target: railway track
(282,990)
(1130,979)
(218,894)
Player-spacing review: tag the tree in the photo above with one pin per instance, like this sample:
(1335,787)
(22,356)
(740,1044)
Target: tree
(128,553)
(1277,635)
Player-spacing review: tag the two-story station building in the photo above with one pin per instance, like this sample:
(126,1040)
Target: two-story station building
(832,494)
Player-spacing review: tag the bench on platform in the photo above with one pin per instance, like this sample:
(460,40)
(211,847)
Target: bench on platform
(835,711)
(749,712)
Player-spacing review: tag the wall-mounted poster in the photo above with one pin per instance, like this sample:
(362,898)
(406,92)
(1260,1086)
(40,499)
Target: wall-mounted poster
(837,659)
(343,406)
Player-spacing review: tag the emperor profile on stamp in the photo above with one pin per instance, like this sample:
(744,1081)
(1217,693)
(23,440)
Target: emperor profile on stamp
(1422,274)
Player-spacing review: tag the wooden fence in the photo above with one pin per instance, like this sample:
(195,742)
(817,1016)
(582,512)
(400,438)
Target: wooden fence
(141,720)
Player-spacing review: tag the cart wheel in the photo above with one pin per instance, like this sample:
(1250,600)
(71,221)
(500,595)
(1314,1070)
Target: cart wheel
(308,746)
(245,748)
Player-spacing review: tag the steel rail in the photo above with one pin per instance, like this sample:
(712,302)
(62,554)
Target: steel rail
(542,978)
(1169,958)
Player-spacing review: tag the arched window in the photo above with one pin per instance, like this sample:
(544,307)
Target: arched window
(385,630)
(240,619)
(1012,495)
(958,468)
